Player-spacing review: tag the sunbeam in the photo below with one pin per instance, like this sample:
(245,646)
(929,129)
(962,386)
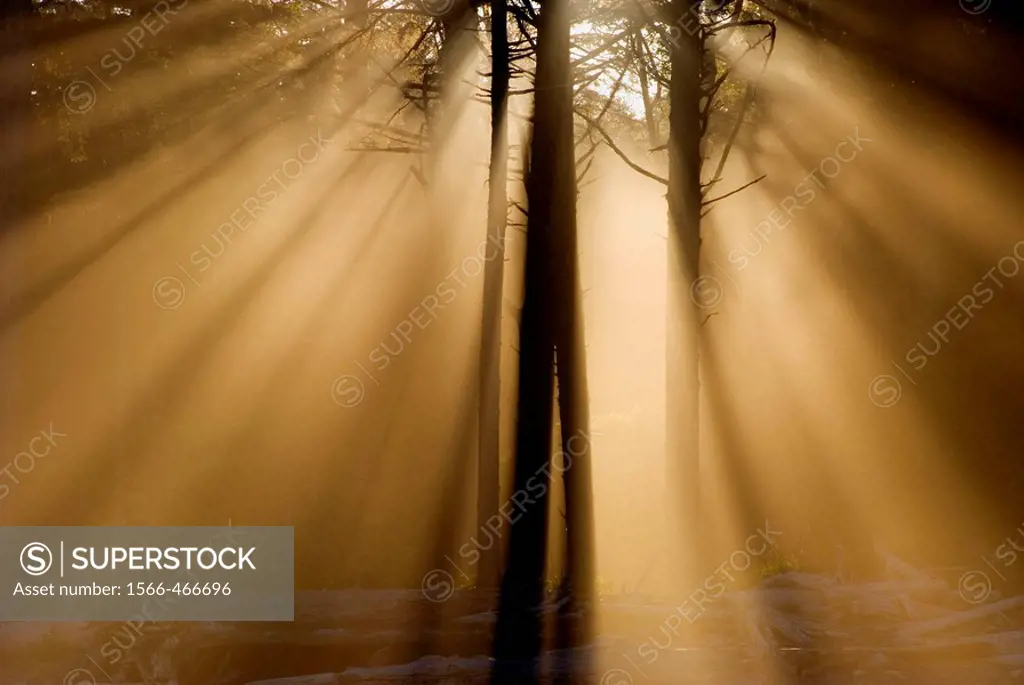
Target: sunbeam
(519,341)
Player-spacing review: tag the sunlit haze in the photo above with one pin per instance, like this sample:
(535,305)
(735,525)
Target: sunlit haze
(695,360)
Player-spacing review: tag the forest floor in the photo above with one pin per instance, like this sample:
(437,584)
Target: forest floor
(792,628)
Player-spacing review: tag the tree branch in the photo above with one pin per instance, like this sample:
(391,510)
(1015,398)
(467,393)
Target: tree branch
(622,155)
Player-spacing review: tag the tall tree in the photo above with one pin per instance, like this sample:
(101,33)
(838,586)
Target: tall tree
(489,418)
(574,417)
(571,366)
(551,198)
(682,392)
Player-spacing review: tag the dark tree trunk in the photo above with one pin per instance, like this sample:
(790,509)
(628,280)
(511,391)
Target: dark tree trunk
(489,463)
(574,415)
(682,393)
(550,181)
(645,90)
(16,122)
(573,395)
(518,632)
(15,8)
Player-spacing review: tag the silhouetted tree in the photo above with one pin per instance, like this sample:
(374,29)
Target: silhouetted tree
(682,390)
(550,186)
(489,417)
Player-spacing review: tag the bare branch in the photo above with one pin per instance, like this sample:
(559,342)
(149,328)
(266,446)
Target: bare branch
(733,192)
(622,155)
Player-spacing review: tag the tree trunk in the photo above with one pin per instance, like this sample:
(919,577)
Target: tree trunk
(518,632)
(682,392)
(571,367)
(489,420)
(16,122)
(645,90)
(15,8)
(574,416)
(550,180)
